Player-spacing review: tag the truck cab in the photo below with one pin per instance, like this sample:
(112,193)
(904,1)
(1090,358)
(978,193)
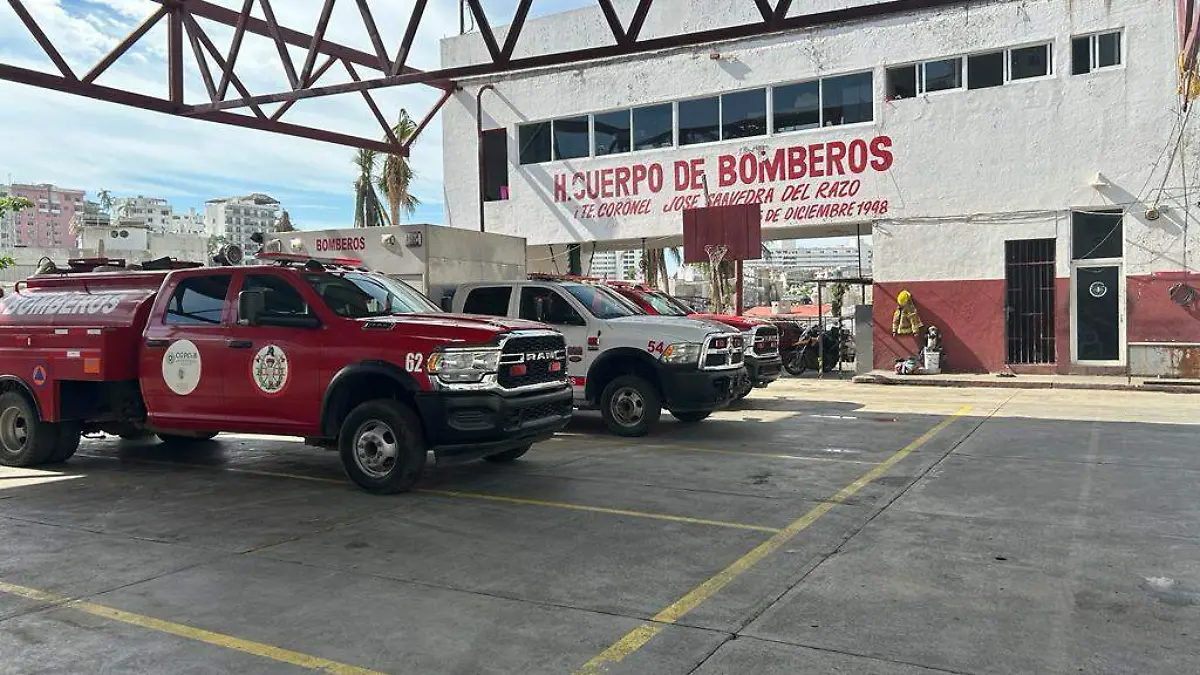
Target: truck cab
(763,361)
(628,364)
(337,355)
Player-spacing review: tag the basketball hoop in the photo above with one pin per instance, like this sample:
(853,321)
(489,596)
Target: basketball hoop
(716,253)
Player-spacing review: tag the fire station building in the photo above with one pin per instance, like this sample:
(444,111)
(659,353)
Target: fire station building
(1026,170)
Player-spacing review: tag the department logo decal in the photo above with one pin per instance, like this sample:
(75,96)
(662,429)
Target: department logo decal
(269,370)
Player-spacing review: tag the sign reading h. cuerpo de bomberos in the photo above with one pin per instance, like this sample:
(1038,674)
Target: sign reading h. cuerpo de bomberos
(793,183)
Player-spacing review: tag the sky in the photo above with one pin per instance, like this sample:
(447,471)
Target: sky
(74,142)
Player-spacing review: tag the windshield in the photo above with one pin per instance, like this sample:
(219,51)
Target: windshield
(662,304)
(364,295)
(395,296)
(601,302)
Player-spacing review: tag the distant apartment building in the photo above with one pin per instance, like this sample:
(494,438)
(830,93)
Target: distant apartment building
(237,218)
(191,222)
(790,256)
(47,223)
(153,213)
(616,265)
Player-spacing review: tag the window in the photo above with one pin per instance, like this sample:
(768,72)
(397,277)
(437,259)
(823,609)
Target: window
(546,304)
(198,300)
(744,114)
(699,121)
(347,298)
(601,302)
(653,127)
(534,140)
(612,132)
(495,165)
(571,137)
(394,296)
(797,106)
(901,82)
(492,300)
(985,70)
(281,298)
(1092,52)
(1027,62)
(846,99)
(1096,234)
(942,75)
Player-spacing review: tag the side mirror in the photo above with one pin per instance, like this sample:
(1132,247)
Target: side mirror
(539,310)
(447,303)
(250,307)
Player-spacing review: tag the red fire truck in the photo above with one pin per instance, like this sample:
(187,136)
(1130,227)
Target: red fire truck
(303,347)
(763,363)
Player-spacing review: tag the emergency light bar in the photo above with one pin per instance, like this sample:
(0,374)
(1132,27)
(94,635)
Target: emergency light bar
(543,276)
(277,256)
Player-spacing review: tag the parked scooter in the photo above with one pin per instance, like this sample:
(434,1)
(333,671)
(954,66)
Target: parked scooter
(817,348)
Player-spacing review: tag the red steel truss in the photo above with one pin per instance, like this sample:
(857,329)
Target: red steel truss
(380,67)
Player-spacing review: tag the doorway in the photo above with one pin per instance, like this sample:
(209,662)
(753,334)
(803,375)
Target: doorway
(1099,322)
(1097,288)
(1029,301)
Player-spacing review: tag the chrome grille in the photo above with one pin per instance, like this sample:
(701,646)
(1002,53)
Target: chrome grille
(722,351)
(766,341)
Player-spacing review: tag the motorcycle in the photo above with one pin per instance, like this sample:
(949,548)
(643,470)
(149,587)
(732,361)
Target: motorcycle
(815,348)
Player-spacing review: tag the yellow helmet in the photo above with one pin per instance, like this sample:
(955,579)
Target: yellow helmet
(904,298)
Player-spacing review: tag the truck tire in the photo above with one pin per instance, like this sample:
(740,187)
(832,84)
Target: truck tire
(382,448)
(68,442)
(25,440)
(508,455)
(630,406)
(691,417)
(184,438)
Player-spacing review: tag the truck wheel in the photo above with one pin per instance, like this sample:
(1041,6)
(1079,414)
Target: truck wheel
(68,442)
(382,447)
(24,439)
(184,439)
(508,455)
(691,416)
(630,406)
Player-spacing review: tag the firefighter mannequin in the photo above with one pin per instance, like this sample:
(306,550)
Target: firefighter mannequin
(905,320)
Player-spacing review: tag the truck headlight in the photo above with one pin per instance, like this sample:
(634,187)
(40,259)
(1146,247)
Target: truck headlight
(681,353)
(463,365)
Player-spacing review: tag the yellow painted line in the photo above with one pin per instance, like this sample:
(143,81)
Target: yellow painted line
(474,495)
(251,647)
(638,637)
(599,509)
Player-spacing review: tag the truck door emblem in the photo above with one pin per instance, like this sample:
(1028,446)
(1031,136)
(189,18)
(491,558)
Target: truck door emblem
(181,367)
(269,370)
(39,376)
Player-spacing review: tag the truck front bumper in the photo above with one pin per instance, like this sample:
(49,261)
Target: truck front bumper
(462,426)
(700,390)
(763,371)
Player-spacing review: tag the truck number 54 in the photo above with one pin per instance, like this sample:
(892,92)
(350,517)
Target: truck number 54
(655,347)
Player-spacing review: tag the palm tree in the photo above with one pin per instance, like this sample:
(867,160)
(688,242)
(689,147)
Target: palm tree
(106,201)
(654,263)
(396,178)
(368,211)
(284,224)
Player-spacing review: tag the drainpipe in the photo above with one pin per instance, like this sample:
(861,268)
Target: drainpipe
(479,142)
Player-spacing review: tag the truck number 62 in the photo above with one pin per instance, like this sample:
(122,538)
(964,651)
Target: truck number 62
(413,362)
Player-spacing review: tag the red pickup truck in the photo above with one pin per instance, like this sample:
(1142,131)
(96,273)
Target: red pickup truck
(340,356)
(762,360)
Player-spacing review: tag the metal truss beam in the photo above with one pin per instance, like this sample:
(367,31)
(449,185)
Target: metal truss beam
(380,69)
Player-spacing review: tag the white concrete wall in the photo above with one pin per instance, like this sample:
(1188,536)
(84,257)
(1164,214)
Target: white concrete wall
(1030,146)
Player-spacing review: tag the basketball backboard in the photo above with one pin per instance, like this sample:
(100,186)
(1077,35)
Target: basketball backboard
(738,228)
